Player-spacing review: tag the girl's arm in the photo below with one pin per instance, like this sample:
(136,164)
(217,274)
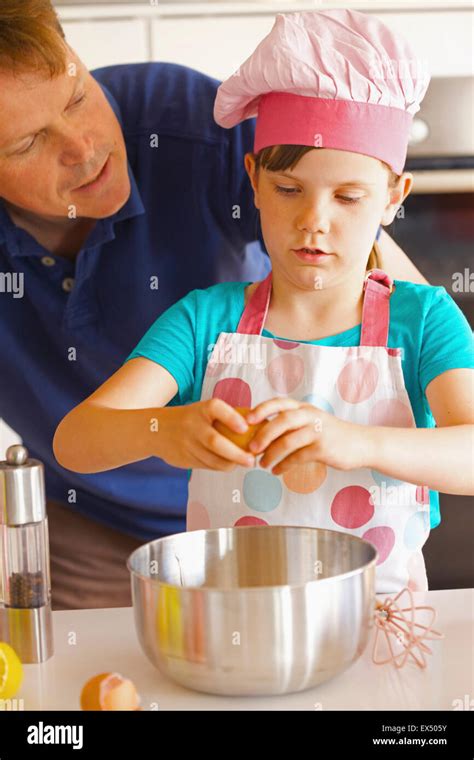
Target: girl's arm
(127,420)
(440,458)
(396,263)
(112,426)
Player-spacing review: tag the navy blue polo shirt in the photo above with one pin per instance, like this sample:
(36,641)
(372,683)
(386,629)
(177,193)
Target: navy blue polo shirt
(190,221)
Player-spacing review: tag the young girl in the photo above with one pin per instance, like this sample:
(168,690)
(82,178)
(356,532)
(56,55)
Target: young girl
(363,385)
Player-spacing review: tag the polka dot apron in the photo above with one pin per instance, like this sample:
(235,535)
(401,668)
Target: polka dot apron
(362,384)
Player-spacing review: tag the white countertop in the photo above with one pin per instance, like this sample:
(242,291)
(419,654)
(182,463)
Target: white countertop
(88,642)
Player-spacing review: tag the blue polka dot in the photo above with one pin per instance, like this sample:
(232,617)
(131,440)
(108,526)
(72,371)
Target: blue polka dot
(380,479)
(416,530)
(319,401)
(262,490)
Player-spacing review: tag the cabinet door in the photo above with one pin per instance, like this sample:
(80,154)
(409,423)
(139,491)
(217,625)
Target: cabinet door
(214,45)
(103,43)
(219,45)
(442,39)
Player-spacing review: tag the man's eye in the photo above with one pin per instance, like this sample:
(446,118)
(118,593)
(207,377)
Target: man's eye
(28,148)
(286,190)
(79,100)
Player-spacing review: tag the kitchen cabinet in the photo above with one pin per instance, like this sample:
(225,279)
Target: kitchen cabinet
(214,46)
(443,39)
(216,37)
(217,46)
(103,43)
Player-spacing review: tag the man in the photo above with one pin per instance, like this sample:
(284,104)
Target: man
(119,194)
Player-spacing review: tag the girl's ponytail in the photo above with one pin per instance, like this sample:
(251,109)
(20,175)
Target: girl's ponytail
(375,257)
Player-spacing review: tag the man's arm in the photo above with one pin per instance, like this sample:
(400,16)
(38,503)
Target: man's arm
(396,263)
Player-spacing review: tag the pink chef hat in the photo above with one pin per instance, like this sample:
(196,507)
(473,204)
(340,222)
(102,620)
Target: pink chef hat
(335,79)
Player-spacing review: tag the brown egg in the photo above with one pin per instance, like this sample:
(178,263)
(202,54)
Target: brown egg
(240,439)
(109,691)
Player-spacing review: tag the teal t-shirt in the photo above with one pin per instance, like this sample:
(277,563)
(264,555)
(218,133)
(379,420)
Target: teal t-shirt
(425,323)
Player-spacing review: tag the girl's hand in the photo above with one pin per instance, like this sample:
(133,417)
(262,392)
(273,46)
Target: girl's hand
(301,432)
(189,440)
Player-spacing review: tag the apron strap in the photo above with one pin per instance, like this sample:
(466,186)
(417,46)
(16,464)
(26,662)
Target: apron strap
(255,313)
(376,308)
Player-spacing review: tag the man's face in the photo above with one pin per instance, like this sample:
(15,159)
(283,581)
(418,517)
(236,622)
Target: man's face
(55,135)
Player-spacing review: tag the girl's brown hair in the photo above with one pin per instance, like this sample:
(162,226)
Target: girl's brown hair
(277,158)
(31,37)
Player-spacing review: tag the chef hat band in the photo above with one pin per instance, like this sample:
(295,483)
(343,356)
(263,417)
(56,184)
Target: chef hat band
(333,79)
(378,131)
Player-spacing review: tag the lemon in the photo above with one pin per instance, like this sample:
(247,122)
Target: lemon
(11,671)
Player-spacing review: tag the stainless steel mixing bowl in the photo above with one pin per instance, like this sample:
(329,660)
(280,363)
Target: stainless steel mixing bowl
(253,610)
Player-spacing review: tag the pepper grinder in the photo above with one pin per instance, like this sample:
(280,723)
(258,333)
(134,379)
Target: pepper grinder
(25,583)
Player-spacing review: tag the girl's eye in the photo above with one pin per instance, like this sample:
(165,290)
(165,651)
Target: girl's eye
(293,190)
(346,199)
(286,190)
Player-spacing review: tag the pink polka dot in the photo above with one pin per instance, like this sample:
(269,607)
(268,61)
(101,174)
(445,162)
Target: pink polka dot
(249,520)
(285,372)
(392,413)
(352,507)
(214,368)
(234,391)
(197,516)
(422,495)
(383,538)
(357,380)
(417,572)
(286,344)
(218,360)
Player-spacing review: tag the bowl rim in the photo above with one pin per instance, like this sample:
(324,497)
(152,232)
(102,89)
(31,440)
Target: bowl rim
(219,589)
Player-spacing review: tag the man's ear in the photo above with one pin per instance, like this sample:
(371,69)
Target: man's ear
(249,163)
(397,195)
